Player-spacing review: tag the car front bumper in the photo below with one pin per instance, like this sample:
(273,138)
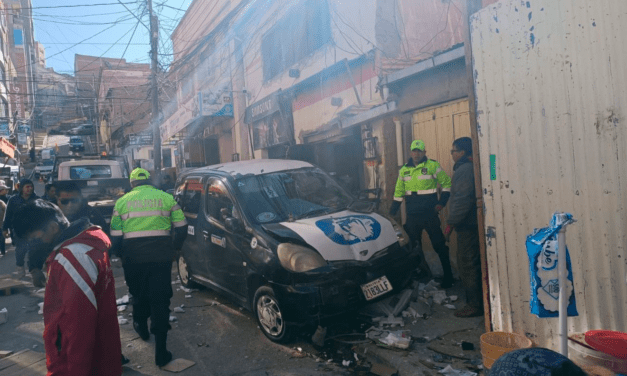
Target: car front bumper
(318,295)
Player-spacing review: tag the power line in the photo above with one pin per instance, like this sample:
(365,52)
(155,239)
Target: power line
(77,5)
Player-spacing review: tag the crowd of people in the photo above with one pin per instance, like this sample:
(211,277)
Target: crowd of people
(67,246)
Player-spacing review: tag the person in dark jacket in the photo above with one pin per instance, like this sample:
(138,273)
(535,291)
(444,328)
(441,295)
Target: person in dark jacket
(26,193)
(74,206)
(166,183)
(462,217)
(50,193)
(71,202)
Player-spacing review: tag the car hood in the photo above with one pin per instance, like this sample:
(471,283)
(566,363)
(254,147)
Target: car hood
(345,235)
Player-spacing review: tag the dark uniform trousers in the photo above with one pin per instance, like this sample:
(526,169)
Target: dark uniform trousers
(469,266)
(414,226)
(151,289)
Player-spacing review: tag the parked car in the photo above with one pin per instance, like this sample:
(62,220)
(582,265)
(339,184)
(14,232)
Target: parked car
(54,131)
(85,130)
(283,239)
(43,169)
(76,143)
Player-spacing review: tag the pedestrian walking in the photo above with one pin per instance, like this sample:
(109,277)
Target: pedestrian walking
(462,217)
(4,191)
(24,195)
(417,184)
(70,199)
(3,209)
(50,193)
(141,233)
(71,202)
(166,183)
(81,331)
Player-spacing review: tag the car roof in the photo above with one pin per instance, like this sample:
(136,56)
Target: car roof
(253,167)
(90,162)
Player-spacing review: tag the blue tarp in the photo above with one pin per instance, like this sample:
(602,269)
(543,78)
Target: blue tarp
(542,249)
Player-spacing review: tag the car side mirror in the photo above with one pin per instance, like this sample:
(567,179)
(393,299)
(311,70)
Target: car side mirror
(233,224)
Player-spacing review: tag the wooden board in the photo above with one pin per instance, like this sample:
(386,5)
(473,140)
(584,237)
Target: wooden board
(25,362)
(6,284)
(178,365)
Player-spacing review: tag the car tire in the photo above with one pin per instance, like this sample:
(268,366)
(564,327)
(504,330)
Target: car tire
(269,315)
(183,271)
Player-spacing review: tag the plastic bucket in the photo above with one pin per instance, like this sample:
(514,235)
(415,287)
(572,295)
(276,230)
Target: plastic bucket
(584,356)
(495,344)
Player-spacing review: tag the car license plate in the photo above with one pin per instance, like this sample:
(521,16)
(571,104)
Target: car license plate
(376,288)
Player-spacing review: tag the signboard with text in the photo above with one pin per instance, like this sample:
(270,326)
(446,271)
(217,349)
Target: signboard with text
(5,131)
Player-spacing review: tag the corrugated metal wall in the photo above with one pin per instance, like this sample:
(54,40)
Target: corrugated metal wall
(551,87)
(438,127)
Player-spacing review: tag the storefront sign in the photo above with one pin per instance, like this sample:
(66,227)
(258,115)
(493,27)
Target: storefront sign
(263,108)
(217,102)
(4,129)
(6,147)
(22,139)
(269,125)
(177,121)
(140,139)
(23,128)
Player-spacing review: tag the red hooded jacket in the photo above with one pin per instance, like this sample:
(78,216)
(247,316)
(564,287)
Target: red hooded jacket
(81,333)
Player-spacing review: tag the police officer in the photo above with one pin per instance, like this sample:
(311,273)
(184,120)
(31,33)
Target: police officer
(418,183)
(140,233)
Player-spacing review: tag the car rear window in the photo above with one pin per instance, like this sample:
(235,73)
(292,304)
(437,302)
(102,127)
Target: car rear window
(90,172)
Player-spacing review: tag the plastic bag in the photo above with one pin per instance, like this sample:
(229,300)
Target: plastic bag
(542,250)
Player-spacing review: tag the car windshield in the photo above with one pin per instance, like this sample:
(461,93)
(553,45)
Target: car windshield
(291,195)
(90,172)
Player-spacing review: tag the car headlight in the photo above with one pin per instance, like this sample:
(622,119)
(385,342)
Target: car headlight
(403,238)
(299,259)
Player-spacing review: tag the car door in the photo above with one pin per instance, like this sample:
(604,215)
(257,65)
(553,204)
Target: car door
(225,249)
(189,195)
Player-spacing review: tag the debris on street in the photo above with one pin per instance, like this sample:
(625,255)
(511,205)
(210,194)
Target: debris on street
(122,320)
(41,308)
(121,308)
(4,315)
(179,310)
(173,319)
(450,371)
(123,300)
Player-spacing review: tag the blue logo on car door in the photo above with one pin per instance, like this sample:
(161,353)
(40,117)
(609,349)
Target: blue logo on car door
(350,230)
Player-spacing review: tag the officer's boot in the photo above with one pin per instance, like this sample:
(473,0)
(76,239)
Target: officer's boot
(447,281)
(162,355)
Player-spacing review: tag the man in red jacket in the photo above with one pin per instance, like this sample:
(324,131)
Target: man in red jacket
(81,332)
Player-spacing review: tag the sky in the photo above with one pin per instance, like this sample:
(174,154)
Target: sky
(69,27)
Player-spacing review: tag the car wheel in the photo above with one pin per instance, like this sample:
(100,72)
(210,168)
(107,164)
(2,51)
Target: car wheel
(184,274)
(269,315)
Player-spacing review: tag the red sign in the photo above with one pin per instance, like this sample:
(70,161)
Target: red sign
(6,147)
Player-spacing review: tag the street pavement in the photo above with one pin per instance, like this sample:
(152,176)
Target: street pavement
(223,339)
(220,337)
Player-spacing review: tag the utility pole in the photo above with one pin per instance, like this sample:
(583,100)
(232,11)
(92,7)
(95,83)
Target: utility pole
(156,135)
